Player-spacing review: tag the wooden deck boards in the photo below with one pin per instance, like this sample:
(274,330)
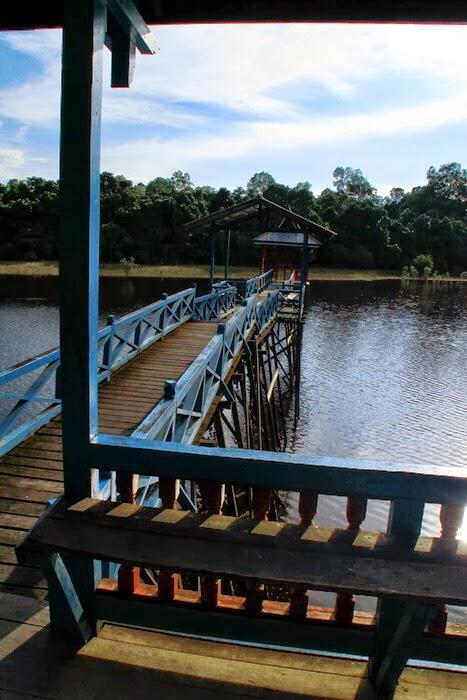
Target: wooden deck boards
(32,472)
(122,663)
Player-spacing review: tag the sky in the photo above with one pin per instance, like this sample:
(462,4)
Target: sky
(223,102)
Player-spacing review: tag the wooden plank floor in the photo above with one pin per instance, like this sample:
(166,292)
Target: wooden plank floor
(32,472)
(126,663)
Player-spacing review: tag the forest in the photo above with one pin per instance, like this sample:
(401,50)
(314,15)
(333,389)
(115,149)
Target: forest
(145,222)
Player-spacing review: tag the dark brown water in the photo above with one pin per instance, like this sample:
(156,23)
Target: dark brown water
(383,369)
(384,377)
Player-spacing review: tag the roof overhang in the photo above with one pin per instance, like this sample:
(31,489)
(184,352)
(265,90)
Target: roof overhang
(285,239)
(36,15)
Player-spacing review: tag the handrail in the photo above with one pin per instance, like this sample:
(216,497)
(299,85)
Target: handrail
(118,342)
(254,285)
(215,305)
(259,283)
(180,414)
(283,470)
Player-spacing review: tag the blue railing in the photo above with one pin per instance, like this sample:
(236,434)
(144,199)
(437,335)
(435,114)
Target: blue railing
(266,310)
(179,416)
(291,298)
(253,285)
(215,305)
(121,340)
(29,380)
(34,385)
(257,284)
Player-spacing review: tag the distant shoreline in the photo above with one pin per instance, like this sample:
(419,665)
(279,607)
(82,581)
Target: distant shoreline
(50,269)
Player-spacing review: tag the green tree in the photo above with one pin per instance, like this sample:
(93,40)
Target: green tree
(180,181)
(352,182)
(259,183)
(423,261)
(449,181)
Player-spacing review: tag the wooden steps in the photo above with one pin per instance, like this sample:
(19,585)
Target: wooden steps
(125,663)
(31,473)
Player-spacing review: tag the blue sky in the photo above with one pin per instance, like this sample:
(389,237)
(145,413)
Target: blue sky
(223,102)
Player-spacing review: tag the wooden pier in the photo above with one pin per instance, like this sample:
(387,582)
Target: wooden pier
(31,473)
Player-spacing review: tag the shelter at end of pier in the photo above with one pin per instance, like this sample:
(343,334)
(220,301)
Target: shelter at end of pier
(285,236)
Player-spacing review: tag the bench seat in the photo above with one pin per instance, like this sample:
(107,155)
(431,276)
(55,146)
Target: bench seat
(418,575)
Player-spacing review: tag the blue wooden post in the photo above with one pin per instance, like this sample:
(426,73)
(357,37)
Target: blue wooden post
(212,264)
(303,273)
(397,623)
(163,315)
(193,307)
(107,352)
(83,41)
(227,256)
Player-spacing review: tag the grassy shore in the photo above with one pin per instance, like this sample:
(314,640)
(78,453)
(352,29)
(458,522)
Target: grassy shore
(50,268)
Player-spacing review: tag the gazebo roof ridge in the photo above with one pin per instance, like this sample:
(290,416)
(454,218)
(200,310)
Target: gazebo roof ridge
(263,210)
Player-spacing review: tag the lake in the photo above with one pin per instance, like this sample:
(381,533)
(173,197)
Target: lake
(383,368)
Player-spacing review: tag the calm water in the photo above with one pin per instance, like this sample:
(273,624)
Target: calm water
(384,377)
(383,369)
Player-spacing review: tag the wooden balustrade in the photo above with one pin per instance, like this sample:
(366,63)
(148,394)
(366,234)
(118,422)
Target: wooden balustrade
(212,497)
(261,503)
(169,490)
(355,513)
(450,517)
(212,500)
(307,507)
(129,577)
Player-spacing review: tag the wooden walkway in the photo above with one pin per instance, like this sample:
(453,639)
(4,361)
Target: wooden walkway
(32,472)
(122,662)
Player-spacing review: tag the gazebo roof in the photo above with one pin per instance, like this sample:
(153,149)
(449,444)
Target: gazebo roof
(289,239)
(260,214)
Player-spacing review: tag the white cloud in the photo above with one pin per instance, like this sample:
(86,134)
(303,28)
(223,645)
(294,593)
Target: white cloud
(136,158)
(244,68)
(12,161)
(262,72)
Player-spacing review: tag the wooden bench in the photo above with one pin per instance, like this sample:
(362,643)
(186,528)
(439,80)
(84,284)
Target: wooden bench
(414,578)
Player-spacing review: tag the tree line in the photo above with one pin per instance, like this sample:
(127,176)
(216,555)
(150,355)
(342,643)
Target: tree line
(145,222)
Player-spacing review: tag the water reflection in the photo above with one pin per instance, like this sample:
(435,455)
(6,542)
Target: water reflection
(383,373)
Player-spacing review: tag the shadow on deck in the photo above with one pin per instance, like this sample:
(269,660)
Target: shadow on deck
(122,663)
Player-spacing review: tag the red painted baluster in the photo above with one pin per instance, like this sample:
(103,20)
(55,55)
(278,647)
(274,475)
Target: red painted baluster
(355,513)
(129,577)
(307,507)
(212,499)
(169,489)
(261,503)
(450,518)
